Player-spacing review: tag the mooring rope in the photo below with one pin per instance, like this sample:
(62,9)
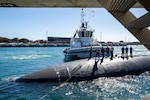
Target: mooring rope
(73,72)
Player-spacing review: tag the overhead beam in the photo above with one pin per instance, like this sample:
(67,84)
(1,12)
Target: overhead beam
(145,4)
(141,22)
(121,5)
(50,3)
(141,34)
(54,3)
(124,18)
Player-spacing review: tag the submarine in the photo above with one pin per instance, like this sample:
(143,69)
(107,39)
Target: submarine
(89,69)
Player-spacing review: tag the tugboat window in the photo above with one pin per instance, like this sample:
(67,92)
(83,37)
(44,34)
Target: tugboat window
(82,34)
(87,34)
(91,34)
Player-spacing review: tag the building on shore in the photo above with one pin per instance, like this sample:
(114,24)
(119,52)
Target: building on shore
(57,40)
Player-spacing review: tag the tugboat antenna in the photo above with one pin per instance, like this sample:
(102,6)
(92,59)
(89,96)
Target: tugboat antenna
(82,16)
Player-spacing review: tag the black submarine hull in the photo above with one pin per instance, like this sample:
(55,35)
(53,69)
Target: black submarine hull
(89,69)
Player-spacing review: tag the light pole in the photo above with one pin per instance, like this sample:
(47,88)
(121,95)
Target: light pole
(101,36)
(46,36)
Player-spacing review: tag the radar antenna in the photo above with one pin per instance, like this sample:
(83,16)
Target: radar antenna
(82,16)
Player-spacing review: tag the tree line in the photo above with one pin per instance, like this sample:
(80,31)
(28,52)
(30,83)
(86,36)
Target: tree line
(14,40)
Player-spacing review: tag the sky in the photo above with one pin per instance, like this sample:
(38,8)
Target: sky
(38,23)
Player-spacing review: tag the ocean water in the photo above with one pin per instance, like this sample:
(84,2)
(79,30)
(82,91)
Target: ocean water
(18,61)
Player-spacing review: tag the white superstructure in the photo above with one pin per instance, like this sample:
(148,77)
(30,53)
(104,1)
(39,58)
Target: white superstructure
(82,42)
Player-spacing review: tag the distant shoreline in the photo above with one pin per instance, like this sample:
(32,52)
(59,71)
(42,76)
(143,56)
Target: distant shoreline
(32,45)
(59,44)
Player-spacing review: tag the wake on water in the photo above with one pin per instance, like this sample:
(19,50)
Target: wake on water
(33,56)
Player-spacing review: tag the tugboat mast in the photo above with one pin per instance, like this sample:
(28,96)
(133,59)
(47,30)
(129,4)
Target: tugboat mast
(82,16)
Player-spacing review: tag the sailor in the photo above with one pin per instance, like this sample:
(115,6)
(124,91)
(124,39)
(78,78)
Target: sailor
(102,59)
(97,53)
(102,52)
(122,50)
(126,51)
(95,68)
(111,53)
(131,51)
(107,51)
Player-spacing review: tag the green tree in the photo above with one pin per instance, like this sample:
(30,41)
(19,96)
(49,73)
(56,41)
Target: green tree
(15,40)
(3,39)
(24,40)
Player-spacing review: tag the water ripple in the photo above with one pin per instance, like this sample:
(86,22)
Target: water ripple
(21,57)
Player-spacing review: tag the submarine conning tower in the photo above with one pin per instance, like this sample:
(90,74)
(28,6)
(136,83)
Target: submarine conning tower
(88,69)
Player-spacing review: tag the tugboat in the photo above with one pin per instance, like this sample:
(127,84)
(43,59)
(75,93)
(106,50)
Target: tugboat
(83,44)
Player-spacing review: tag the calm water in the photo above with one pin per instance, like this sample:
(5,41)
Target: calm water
(16,62)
